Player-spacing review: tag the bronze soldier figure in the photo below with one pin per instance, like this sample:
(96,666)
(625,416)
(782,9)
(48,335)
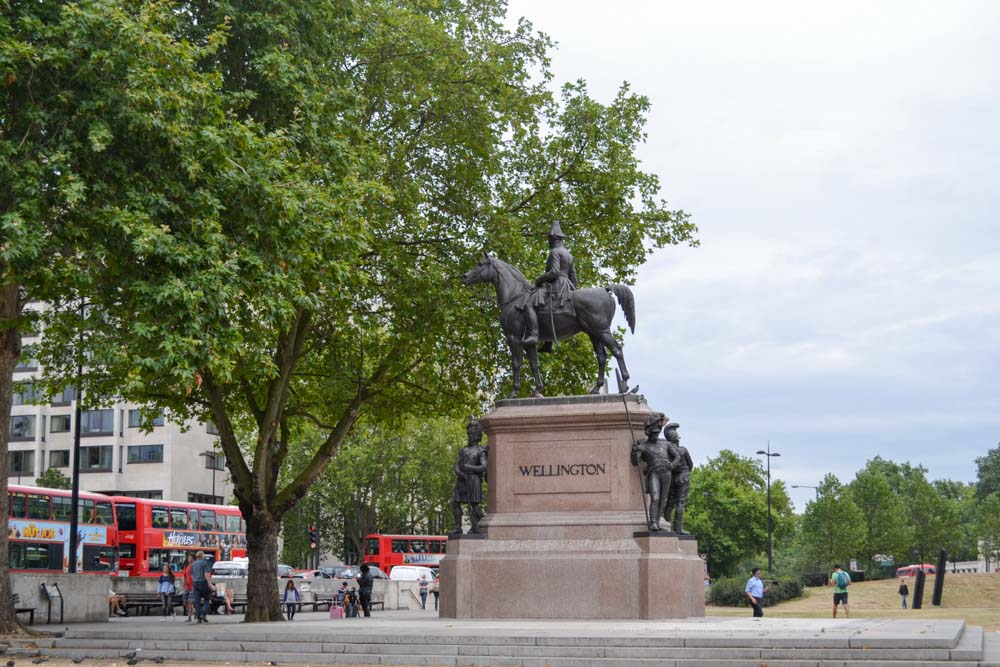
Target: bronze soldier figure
(560,278)
(659,458)
(681,481)
(470,469)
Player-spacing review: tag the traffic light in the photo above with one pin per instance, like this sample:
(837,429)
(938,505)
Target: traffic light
(313,537)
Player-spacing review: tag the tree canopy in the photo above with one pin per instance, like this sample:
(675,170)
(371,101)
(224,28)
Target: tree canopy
(266,208)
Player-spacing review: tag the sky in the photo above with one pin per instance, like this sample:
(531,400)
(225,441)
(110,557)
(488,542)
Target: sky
(842,163)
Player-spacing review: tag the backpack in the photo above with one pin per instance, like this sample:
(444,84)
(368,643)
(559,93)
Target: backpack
(843,580)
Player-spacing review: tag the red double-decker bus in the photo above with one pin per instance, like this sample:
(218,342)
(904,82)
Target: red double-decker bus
(38,531)
(154,532)
(387,551)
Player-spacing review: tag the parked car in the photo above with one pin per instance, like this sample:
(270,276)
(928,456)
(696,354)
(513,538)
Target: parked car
(911,570)
(285,570)
(412,573)
(342,571)
(376,572)
(240,569)
(310,574)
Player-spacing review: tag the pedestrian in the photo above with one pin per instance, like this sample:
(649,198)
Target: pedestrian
(424,588)
(366,580)
(342,593)
(904,590)
(755,591)
(166,591)
(188,599)
(435,589)
(840,581)
(291,599)
(201,574)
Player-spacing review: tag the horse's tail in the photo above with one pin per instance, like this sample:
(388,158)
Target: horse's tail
(627,302)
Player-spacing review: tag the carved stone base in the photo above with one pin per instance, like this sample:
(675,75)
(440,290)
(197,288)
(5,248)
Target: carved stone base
(565,527)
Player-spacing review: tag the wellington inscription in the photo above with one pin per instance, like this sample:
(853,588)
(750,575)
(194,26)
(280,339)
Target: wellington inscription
(540,468)
(559,470)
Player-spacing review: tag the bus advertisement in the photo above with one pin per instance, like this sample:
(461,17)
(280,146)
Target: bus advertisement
(387,551)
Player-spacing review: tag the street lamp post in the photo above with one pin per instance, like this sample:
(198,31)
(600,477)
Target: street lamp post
(210,463)
(806,486)
(768,454)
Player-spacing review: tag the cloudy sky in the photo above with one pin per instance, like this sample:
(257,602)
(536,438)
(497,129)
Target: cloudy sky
(842,161)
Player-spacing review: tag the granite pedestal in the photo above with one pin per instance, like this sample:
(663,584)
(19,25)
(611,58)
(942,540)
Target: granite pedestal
(566,533)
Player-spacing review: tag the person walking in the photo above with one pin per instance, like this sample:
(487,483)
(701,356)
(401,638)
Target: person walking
(840,581)
(424,588)
(201,574)
(291,599)
(166,591)
(366,581)
(904,591)
(755,591)
(435,589)
(188,599)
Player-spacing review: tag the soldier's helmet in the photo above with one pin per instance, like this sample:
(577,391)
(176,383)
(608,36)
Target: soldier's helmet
(654,420)
(556,231)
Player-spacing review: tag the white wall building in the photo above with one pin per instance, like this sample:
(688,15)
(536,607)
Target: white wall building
(117,455)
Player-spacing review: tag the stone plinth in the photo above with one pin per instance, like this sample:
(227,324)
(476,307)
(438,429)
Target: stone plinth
(565,523)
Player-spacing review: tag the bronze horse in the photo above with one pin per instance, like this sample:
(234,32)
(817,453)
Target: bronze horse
(594,308)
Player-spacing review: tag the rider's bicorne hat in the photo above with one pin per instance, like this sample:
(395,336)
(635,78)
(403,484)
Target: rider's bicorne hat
(556,231)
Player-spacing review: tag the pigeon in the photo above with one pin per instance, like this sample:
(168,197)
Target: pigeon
(77,661)
(158,659)
(133,661)
(39,660)
(10,663)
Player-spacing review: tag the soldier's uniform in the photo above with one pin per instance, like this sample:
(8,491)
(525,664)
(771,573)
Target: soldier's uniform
(470,469)
(659,458)
(681,482)
(554,287)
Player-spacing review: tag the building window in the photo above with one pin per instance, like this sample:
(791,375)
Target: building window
(59,424)
(21,463)
(98,422)
(24,393)
(95,459)
(148,495)
(205,498)
(136,419)
(145,454)
(214,460)
(27,362)
(65,397)
(22,427)
(211,428)
(59,458)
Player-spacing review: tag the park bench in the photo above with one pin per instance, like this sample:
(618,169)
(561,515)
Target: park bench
(142,602)
(329,599)
(18,609)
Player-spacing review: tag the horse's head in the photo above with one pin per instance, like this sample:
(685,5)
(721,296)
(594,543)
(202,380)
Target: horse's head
(483,272)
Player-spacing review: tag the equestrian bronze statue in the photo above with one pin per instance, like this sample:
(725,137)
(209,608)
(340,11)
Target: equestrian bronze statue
(553,310)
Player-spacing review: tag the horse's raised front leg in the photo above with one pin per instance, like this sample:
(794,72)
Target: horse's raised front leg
(609,342)
(535,370)
(602,363)
(515,362)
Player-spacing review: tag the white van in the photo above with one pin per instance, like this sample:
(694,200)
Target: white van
(231,569)
(411,573)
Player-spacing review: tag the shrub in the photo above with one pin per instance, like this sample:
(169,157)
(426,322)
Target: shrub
(731,592)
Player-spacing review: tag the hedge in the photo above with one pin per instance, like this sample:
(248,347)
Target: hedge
(731,592)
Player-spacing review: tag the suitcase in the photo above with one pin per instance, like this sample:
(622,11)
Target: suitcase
(336,612)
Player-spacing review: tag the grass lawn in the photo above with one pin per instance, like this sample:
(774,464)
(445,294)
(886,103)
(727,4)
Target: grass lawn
(973,597)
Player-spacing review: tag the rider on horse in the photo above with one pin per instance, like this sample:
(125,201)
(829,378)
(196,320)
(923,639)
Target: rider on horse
(561,278)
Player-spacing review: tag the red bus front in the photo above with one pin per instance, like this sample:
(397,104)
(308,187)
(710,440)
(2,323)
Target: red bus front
(387,551)
(38,531)
(154,532)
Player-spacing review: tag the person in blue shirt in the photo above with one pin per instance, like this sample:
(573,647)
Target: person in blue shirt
(755,591)
(166,591)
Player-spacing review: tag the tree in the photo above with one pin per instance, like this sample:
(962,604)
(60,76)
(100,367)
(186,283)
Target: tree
(290,255)
(962,497)
(887,528)
(71,75)
(833,526)
(53,478)
(988,528)
(988,473)
(934,520)
(727,510)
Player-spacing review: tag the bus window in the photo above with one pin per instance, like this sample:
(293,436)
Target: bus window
(38,507)
(18,504)
(98,558)
(105,516)
(35,556)
(371,547)
(243,525)
(232,524)
(435,546)
(418,546)
(193,519)
(85,511)
(62,508)
(400,546)
(126,517)
(208,520)
(126,550)
(161,517)
(178,518)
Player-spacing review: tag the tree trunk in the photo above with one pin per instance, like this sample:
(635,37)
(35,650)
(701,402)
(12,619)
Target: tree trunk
(10,352)
(263,597)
